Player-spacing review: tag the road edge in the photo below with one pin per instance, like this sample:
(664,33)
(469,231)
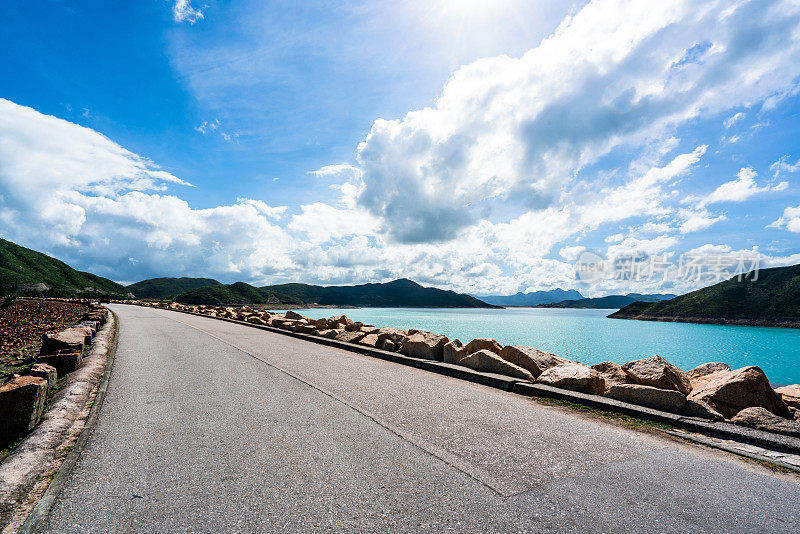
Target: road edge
(45,503)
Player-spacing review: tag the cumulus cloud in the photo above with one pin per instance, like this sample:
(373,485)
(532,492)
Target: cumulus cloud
(790,220)
(520,130)
(740,189)
(730,121)
(182,11)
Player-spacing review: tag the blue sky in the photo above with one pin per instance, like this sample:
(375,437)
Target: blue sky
(471,145)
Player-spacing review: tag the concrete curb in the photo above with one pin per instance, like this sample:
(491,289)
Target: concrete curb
(42,508)
(722,430)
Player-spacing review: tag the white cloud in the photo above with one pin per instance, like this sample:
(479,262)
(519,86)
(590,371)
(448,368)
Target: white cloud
(730,121)
(696,220)
(782,166)
(740,189)
(520,130)
(789,220)
(182,11)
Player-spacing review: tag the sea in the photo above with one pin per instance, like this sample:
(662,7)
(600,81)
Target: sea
(590,337)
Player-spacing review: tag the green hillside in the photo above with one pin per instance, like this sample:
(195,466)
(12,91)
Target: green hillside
(399,293)
(20,266)
(238,293)
(774,294)
(162,288)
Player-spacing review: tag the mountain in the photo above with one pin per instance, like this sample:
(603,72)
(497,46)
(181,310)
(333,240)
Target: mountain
(25,271)
(608,302)
(238,293)
(771,299)
(399,293)
(162,288)
(531,299)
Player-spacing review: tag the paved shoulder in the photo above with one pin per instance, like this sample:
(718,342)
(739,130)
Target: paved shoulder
(212,426)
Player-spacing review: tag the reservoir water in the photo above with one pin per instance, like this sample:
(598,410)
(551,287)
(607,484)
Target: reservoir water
(589,336)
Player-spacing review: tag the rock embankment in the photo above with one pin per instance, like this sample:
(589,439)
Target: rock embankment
(711,391)
(24,395)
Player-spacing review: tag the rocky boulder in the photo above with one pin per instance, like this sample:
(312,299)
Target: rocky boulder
(255,320)
(322,324)
(48,372)
(698,375)
(331,333)
(574,376)
(484,343)
(453,351)
(729,392)
(657,372)
(489,362)
(291,314)
(535,361)
(64,361)
(388,344)
(667,400)
(350,337)
(763,419)
(67,339)
(22,402)
(790,395)
(612,373)
(424,345)
(370,340)
(395,335)
(341,320)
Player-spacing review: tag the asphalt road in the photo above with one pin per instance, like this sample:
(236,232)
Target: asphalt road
(210,426)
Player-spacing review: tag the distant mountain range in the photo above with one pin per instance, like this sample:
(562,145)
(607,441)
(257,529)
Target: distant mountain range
(773,299)
(608,302)
(26,272)
(399,293)
(162,288)
(531,299)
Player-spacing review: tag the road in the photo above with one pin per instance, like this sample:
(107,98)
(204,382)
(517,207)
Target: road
(210,426)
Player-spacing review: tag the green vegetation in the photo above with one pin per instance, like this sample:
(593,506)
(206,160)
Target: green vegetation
(238,293)
(775,293)
(22,268)
(400,293)
(608,302)
(164,288)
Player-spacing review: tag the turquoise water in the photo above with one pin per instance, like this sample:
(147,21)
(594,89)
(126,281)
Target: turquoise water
(590,337)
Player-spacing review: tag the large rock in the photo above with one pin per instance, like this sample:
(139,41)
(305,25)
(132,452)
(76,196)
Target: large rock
(424,345)
(699,375)
(22,402)
(453,352)
(388,344)
(340,320)
(484,343)
(64,362)
(330,333)
(612,373)
(370,340)
(729,392)
(574,376)
(296,316)
(657,372)
(255,320)
(48,372)
(667,400)
(66,339)
(323,324)
(489,362)
(790,395)
(763,419)
(395,335)
(535,361)
(350,337)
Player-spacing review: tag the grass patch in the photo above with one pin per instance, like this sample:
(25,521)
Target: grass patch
(618,418)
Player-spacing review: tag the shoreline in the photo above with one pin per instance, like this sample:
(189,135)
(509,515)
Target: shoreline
(778,322)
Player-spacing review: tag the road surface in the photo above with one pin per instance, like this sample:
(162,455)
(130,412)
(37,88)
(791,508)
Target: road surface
(210,426)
